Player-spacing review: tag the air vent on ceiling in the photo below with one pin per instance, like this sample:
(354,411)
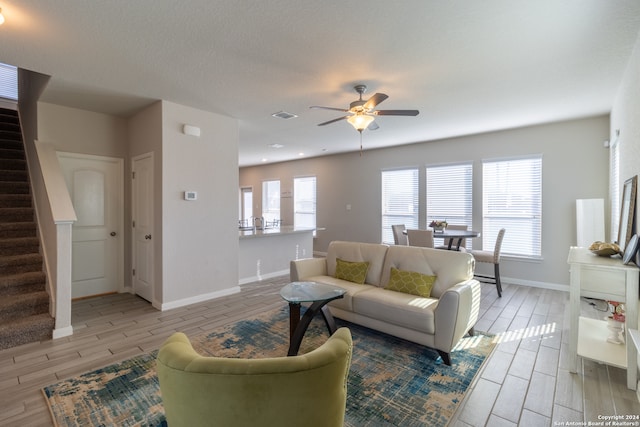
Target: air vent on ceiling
(284,115)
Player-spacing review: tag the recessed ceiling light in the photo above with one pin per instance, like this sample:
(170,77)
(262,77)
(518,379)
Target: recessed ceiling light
(284,115)
(300,154)
(275,145)
(264,160)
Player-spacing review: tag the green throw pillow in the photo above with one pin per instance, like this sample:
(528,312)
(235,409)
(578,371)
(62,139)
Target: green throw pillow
(411,282)
(355,272)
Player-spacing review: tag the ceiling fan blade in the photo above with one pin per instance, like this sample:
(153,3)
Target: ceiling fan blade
(333,121)
(329,108)
(373,126)
(375,100)
(396,112)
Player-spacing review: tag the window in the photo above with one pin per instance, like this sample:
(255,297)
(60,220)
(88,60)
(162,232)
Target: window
(512,199)
(304,201)
(271,201)
(449,195)
(399,200)
(8,82)
(246,205)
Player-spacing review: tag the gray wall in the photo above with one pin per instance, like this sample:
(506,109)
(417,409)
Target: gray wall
(195,243)
(575,166)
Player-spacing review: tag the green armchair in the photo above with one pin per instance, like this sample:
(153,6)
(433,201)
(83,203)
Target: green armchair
(309,389)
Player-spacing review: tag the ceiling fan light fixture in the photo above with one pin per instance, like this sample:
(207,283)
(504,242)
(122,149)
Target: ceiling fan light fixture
(360,121)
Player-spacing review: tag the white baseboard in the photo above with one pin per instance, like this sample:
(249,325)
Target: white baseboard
(198,298)
(534,284)
(262,277)
(62,332)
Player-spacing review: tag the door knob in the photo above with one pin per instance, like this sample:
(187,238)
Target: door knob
(147,237)
(112,234)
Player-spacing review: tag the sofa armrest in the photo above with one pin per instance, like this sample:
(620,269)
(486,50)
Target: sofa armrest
(456,313)
(302,268)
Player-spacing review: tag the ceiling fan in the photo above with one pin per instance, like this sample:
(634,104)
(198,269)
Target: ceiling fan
(362,113)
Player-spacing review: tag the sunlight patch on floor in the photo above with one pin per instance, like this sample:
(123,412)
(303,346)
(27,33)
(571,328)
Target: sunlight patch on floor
(523,333)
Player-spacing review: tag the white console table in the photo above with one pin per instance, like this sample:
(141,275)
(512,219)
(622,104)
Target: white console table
(608,279)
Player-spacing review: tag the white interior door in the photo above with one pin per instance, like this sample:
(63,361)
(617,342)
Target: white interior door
(143,260)
(95,186)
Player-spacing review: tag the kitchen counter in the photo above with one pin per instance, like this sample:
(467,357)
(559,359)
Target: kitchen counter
(266,253)
(250,232)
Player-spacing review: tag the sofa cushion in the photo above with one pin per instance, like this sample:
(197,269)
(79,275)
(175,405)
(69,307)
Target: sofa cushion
(450,267)
(346,302)
(354,251)
(397,308)
(410,282)
(355,272)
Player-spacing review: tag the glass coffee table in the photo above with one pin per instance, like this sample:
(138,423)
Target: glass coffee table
(318,294)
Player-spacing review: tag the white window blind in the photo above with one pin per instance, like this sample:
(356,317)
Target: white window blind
(512,199)
(8,81)
(271,200)
(304,201)
(399,200)
(614,188)
(449,195)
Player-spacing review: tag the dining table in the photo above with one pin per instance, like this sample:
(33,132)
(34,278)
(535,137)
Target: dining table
(452,235)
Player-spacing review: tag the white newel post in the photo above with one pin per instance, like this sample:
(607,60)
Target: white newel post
(63,326)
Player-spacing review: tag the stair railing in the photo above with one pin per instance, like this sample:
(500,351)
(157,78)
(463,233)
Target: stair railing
(55,220)
(52,203)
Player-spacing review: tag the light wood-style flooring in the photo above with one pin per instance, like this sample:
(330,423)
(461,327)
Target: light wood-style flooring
(525,381)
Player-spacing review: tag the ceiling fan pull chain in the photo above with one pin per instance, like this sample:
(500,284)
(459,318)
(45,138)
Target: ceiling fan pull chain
(360,143)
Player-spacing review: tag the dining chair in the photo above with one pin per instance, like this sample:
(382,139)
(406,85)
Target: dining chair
(492,257)
(423,238)
(463,243)
(399,236)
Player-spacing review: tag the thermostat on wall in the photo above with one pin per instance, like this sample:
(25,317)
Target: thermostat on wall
(190,195)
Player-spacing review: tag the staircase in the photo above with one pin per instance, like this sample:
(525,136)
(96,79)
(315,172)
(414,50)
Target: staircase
(24,302)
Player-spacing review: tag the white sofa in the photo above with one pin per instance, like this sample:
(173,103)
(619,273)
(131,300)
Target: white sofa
(439,321)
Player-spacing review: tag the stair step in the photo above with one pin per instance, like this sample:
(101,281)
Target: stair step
(15,200)
(23,305)
(14,175)
(13,164)
(10,153)
(9,124)
(23,283)
(16,214)
(17,229)
(19,246)
(11,135)
(14,187)
(9,112)
(11,145)
(18,264)
(26,330)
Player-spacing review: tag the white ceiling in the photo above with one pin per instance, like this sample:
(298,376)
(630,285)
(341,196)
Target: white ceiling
(469,66)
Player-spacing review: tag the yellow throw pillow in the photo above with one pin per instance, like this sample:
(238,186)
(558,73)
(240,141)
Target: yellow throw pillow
(411,282)
(355,272)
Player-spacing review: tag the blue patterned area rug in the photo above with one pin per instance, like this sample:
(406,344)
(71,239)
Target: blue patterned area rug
(392,382)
